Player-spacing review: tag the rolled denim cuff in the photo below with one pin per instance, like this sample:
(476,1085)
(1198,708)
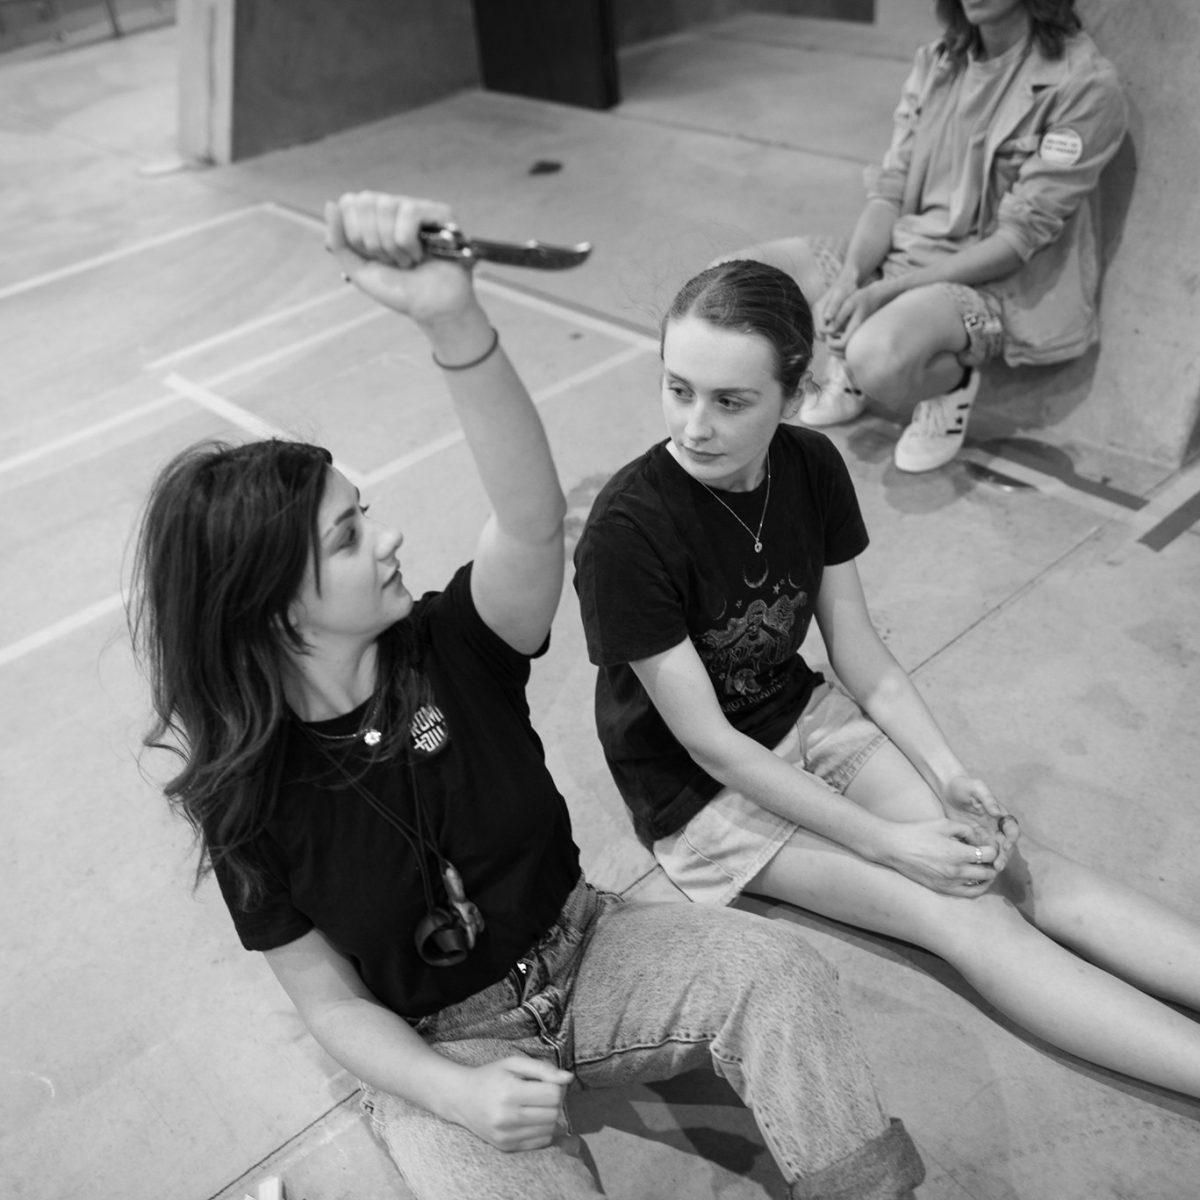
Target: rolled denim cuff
(886,1168)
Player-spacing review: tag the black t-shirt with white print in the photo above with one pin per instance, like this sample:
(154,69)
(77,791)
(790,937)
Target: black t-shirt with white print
(661,559)
(334,863)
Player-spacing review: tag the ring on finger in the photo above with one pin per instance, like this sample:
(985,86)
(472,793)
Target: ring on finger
(979,854)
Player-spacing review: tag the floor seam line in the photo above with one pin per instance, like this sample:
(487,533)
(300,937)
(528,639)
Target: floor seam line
(1025,588)
(746,139)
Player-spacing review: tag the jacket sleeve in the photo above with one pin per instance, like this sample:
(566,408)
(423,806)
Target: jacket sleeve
(1082,127)
(885,180)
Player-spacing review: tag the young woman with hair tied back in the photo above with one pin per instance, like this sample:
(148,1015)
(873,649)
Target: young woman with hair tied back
(373,799)
(699,570)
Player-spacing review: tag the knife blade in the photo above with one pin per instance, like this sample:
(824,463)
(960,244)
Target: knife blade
(448,241)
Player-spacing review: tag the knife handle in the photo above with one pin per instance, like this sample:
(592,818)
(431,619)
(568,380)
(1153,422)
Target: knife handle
(445,241)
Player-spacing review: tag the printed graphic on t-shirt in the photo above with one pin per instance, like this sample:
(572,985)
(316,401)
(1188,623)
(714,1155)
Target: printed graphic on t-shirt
(740,657)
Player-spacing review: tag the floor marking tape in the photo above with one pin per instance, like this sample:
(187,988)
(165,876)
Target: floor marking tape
(1044,484)
(86,433)
(227,410)
(577,314)
(294,348)
(1172,511)
(1173,525)
(527,297)
(298,215)
(243,368)
(1177,490)
(61,629)
(99,260)
(243,330)
(242,418)
(539,397)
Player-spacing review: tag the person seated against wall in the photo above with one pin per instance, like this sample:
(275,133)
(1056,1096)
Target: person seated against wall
(977,240)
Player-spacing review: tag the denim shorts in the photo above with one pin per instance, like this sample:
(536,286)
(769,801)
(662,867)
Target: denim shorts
(725,845)
(980,310)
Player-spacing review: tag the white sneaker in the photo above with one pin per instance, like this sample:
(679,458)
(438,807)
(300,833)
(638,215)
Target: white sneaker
(937,429)
(838,399)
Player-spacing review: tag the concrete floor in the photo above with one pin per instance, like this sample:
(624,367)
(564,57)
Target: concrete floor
(1053,626)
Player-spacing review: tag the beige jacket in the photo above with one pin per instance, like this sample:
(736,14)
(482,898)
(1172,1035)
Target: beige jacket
(1060,123)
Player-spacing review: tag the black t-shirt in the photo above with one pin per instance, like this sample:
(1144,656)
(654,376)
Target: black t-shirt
(336,864)
(661,560)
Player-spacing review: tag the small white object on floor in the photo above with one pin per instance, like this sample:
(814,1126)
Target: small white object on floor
(270,1188)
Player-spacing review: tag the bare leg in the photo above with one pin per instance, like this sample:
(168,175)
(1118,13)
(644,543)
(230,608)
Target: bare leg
(1122,929)
(1044,987)
(908,350)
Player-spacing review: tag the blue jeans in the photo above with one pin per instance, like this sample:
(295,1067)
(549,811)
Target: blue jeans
(618,992)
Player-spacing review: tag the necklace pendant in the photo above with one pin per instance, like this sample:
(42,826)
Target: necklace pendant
(757,546)
(372,737)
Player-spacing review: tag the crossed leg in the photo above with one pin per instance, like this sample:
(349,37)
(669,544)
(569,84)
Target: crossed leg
(1007,941)
(661,989)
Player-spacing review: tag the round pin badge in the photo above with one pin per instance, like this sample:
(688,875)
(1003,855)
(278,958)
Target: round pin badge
(1061,147)
(429,733)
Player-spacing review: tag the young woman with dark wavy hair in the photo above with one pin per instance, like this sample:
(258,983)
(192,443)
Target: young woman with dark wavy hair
(374,801)
(978,239)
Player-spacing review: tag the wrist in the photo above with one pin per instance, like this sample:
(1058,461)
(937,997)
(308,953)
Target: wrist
(850,276)
(944,777)
(448,1082)
(886,290)
(872,839)
(460,335)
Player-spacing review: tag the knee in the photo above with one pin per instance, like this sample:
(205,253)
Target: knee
(972,926)
(1045,884)
(783,955)
(876,360)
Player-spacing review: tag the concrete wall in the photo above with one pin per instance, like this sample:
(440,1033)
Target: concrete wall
(1139,391)
(260,74)
(257,75)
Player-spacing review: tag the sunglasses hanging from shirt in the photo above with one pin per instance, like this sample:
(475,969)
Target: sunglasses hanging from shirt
(444,935)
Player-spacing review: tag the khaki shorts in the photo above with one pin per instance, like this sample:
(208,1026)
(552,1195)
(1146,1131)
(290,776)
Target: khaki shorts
(981,312)
(725,845)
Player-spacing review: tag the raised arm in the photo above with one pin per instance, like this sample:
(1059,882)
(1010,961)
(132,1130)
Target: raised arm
(931,852)
(516,580)
(513,1103)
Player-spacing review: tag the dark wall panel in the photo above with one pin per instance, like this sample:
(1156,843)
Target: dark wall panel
(306,68)
(560,50)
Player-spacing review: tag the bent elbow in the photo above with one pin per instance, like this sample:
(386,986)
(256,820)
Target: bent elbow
(716,756)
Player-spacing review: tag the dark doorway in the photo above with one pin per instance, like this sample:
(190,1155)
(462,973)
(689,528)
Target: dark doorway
(561,50)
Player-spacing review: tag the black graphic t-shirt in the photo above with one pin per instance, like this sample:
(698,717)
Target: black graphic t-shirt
(335,863)
(661,559)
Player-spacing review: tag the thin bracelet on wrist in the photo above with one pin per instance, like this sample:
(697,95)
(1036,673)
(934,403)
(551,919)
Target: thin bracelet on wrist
(475,361)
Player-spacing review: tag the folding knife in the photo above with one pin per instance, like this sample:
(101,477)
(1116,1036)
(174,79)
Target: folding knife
(448,241)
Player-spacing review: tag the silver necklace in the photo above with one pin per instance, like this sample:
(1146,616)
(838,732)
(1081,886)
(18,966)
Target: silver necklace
(368,731)
(756,535)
